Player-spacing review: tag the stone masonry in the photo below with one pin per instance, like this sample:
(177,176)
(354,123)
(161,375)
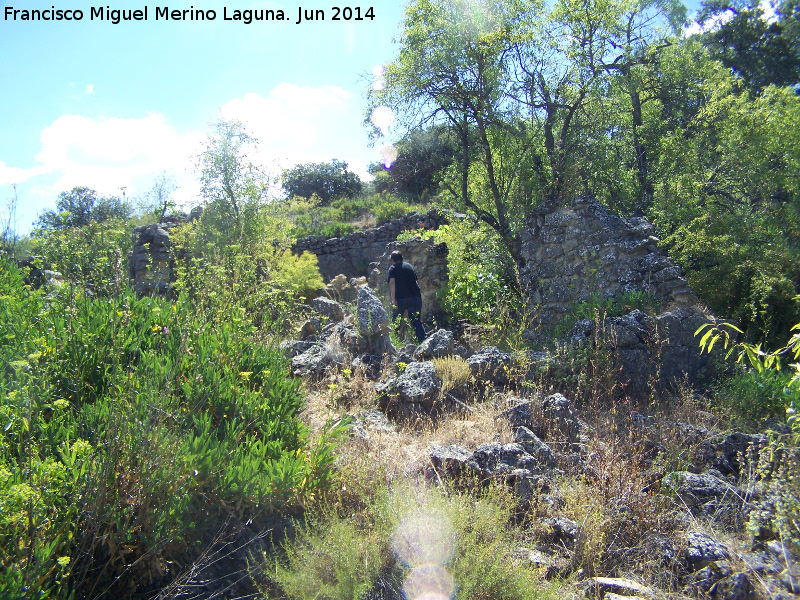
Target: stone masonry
(576,251)
(579,250)
(430,263)
(351,255)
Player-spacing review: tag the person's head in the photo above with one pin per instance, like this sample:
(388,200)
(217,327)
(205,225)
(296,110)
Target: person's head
(396,257)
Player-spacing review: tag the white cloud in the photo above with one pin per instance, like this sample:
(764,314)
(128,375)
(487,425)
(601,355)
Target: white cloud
(288,123)
(108,154)
(90,89)
(11,175)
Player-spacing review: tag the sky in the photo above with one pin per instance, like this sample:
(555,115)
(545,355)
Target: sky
(91,103)
(113,106)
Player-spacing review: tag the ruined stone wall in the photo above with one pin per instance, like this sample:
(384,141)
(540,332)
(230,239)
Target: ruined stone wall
(576,251)
(430,264)
(152,262)
(351,255)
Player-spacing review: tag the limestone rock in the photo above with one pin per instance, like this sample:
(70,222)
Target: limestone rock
(328,308)
(558,416)
(695,490)
(373,323)
(702,550)
(534,446)
(372,317)
(490,364)
(437,345)
(450,459)
(317,360)
(597,587)
(417,384)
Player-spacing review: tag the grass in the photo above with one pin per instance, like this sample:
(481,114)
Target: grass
(415,539)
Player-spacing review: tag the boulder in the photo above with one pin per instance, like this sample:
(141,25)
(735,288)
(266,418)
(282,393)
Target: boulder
(598,587)
(417,385)
(328,308)
(702,549)
(317,360)
(696,491)
(558,416)
(437,345)
(534,446)
(373,323)
(491,365)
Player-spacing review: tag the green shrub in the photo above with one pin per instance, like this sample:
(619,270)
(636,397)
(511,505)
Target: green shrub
(95,254)
(390,208)
(598,305)
(344,556)
(752,396)
(129,425)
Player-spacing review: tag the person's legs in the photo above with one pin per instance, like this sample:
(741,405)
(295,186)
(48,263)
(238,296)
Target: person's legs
(414,311)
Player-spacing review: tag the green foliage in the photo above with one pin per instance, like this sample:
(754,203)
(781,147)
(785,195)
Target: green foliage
(762,388)
(342,216)
(390,209)
(482,279)
(752,396)
(80,207)
(128,424)
(421,156)
(600,305)
(229,181)
(95,254)
(298,273)
(329,181)
(728,197)
(762,52)
(345,556)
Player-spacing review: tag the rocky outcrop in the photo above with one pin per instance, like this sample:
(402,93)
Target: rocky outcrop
(351,254)
(437,345)
(414,391)
(430,264)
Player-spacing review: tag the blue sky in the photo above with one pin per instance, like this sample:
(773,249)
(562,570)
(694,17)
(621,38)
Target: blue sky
(111,106)
(106,106)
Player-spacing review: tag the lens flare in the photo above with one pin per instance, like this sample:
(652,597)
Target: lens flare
(383,118)
(388,155)
(429,582)
(378,71)
(424,538)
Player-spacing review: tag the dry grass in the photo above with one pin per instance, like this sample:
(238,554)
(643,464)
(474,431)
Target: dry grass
(626,529)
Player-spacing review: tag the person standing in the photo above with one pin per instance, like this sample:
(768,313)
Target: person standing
(405,293)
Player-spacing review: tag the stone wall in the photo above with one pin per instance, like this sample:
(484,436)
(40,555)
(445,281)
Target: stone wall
(430,264)
(151,263)
(582,249)
(351,255)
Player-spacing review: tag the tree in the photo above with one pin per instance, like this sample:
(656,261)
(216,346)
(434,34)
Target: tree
(157,201)
(329,181)
(516,83)
(81,206)
(229,179)
(421,156)
(762,52)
